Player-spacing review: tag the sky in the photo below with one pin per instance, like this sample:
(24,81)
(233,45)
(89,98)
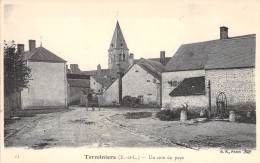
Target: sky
(80,32)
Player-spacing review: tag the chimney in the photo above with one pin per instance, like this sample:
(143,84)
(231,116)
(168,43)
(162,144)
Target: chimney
(99,69)
(223,32)
(74,68)
(32,45)
(20,48)
(131,59)
(162,56)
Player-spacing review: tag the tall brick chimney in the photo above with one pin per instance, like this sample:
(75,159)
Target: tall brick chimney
(162,56)
(223,32)
(32,45)
(20,48)
(99,69)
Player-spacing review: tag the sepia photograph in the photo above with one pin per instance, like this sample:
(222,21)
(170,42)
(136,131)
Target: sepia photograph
(161,81)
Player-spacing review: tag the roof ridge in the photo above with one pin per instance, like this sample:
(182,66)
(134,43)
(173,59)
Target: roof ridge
(230,38)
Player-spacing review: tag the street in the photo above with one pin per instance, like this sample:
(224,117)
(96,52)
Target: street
(110,128)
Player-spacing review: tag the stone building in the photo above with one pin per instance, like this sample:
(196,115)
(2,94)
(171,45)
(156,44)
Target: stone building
(48,85)
(228,63)
(143,81)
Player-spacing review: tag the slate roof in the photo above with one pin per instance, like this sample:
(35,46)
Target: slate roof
(118,41)
(83,83)
(104,81)
(234,52)
(41,54)
(190,86)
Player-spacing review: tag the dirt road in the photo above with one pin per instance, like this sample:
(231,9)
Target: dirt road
(110,128)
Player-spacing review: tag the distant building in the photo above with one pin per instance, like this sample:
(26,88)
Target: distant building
(228,63)
(77,87)
(48,85)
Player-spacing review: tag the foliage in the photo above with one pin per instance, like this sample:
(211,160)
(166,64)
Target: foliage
(137,115)
(16,71)
(168,115)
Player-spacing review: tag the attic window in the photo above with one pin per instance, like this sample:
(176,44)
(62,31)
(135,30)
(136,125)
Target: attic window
(136,71)
(148,80)
(154,80)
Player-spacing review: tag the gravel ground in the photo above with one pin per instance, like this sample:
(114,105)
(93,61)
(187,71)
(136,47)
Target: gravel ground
(110,128)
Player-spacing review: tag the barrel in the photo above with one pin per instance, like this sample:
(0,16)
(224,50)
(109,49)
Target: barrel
(232,116)
(183,115)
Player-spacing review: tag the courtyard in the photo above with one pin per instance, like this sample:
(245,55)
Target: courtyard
(110,127)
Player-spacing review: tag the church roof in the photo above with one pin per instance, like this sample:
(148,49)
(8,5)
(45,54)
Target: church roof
(118,41)
(41,54)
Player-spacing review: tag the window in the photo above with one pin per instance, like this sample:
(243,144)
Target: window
(123,57)
(136,71)
(98,90)
(120,55)
(154,80)
(94,83)
(148,80)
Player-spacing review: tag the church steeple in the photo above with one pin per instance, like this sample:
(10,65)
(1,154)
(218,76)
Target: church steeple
(118,52)
(118,40)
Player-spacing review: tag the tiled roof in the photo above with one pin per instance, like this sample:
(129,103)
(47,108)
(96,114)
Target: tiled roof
(77,76)
(167,59)
(223,53)
(190,86)
(41,54)
(112,73)
(84,83)
(153,67)
(104,81)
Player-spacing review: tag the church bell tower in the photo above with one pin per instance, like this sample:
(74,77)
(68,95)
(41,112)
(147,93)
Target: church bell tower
(118,52)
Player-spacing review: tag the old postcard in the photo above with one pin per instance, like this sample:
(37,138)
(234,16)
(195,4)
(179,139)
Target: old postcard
(128,81)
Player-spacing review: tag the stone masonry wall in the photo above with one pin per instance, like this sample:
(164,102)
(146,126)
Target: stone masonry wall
(237,84)
(138,82)
(170,81)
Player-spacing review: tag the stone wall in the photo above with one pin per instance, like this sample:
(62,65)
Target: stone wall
(137,82)
(110,95)
(170,81)
(48,87)
(237,84)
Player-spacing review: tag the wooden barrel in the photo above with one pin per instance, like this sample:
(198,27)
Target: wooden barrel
(232,116)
